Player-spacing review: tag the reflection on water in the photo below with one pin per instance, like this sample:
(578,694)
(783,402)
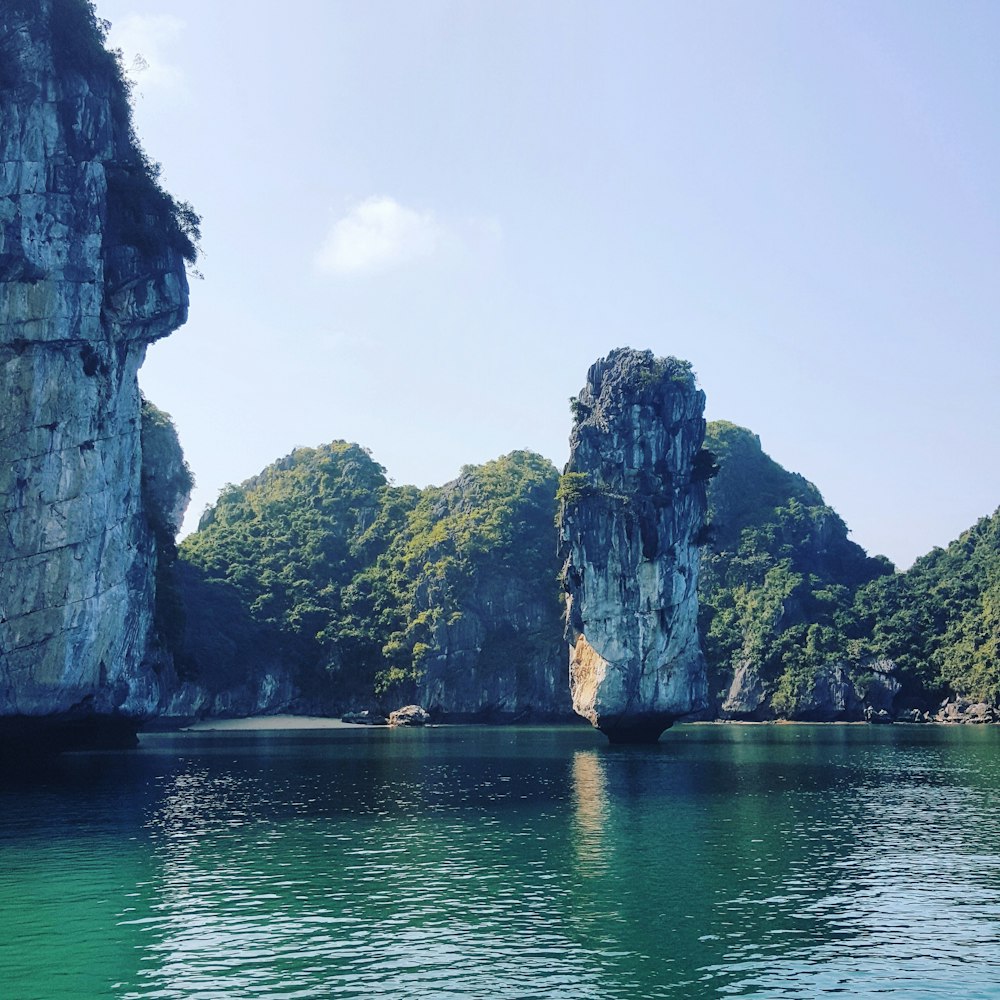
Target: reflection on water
(281,886)
(590,799)
(727,861)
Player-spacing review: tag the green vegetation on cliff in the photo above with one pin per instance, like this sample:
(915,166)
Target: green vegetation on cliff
(371,590)
(290,540)
(778,581)
(464,546)
(940,621)
(141,213)
(365,578)
(787,595)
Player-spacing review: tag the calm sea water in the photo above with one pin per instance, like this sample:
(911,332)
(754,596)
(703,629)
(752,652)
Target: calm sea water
(728,861)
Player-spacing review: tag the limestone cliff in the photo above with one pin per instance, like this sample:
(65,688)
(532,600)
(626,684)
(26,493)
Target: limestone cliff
(91,272)
(487,587)
(633,509)
(318,586)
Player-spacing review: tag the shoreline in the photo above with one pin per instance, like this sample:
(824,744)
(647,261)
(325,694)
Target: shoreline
(261,723)
(286,722)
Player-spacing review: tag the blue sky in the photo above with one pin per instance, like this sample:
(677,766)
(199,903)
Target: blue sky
(424,220)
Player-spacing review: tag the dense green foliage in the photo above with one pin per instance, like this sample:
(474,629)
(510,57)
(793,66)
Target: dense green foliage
(673,369)
(779,579)
(360,575)
(750,485)
(293,538)
(940,621)
(490,530)
(573,486)
(784,589)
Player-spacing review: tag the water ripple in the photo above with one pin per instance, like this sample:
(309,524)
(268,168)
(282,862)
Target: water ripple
(510,863)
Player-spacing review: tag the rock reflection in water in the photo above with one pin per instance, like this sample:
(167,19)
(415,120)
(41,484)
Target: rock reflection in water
(280,887)
(591,801)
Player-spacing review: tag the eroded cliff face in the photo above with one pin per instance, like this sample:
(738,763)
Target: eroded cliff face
(633,508)
(497,652)
(91,272)
(500,659)
(494,647)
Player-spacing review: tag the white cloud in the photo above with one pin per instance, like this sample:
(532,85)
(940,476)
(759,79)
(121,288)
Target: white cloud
(145,40)
(376,235)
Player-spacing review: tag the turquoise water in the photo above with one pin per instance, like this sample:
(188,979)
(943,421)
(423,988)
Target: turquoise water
(728,861)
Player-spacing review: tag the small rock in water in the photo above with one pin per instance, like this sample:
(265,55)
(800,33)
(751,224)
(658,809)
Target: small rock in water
(410,715)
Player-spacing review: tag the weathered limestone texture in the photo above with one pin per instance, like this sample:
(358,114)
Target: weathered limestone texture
(91,272)
(501,656)
(633,507)
(835,695)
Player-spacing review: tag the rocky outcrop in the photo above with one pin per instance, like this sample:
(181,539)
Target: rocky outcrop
(211,659)
(91,272)
(633,509)
(747,697)
(839,693)
(365,717)
(835,692)
(409,715)
(166,478)
(965,711)
(499,659)
(261,693)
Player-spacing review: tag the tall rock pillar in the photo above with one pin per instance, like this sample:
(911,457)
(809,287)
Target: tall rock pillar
(633,504)
(91,272)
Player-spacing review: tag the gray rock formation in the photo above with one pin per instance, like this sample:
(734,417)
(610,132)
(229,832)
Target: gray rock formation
(836,692)
(500,658)
(494,649)
(748,696)
(965,711)
(166,478)
(633,507)
(91,272)
(500,661)
(365,717)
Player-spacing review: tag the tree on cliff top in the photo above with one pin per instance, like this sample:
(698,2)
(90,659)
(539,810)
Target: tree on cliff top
(140,212)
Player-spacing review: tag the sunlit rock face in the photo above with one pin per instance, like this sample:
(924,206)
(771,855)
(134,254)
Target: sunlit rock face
(87,281)
(633,507)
